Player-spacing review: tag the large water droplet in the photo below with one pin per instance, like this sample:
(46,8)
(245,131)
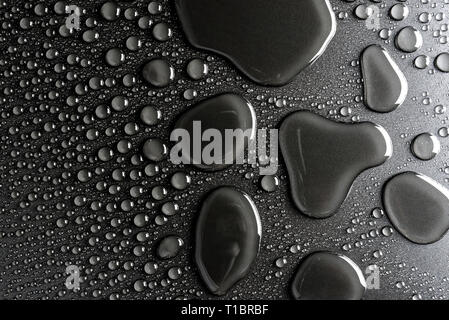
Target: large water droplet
(227,238)
(324,158)
(385,85)
(223,112)
(425,146)
(417,206)
(328,276)
(270,43)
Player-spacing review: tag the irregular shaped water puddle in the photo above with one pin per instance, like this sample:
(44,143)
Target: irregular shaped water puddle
(228,237)
(328,276)
(417,206)
(408,39)
(385,86)
(269,42)
(324,158)
(220,113)
(425,146)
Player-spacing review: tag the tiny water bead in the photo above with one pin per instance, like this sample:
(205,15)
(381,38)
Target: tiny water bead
(442,62)
(425,146)
(422,62)
(150,115)
(408,39)
(88,182)
(443,132)
(219,113)
(110,10)
(377,213)
(180,180)
(440,109)
(399,11)
(158,72)
(115,57)
(162,32)
(197,69)
(363,12)
(169,247)
(154,150)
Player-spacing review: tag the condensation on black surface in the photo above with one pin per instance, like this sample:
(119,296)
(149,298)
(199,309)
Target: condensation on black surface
(323,159)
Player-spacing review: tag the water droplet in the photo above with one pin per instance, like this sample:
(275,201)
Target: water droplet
(158,72)
(223,112)
(227,238)
(328,276)
(385,85)
(442,62)
(417,206)
(408,39)
(425,146)
(169,247)
(324,158)
(224,27)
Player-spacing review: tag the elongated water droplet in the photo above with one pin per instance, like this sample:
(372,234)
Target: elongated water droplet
(324,158)
(227,238)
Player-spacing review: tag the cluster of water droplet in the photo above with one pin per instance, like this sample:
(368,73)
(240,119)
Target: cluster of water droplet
(85,179)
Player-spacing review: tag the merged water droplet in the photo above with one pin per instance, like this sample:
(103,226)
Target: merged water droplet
(417,206)
(442,62)
(297,31)
(385,86)
(228,236)
(223,112)
(324,158)
(328,276)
